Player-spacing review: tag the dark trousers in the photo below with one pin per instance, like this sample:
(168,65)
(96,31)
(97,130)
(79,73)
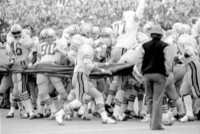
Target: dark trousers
(154,89)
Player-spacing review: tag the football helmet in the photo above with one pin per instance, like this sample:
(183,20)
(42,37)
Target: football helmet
(86,29)
(71,30)
(106,31)
(16,31)
(95,32)
(43,34)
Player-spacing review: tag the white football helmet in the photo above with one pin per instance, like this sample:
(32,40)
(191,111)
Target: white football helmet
(167,119)
(16,31)
(70,31)
(177,27)
(85,51)
(50,35)
(95,32)
(86,29)
(106,31)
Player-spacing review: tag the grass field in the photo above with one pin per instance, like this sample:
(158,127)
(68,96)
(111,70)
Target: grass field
(77,126)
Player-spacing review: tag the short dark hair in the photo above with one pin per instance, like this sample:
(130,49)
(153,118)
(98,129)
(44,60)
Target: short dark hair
(156,36)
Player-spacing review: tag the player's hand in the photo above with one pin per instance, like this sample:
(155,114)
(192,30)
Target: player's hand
(106,71)
(30,64)
(36,63)
(56,49)
(10,65)
(24,67)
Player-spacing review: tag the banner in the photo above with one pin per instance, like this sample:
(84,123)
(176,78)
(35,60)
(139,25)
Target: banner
(67,71)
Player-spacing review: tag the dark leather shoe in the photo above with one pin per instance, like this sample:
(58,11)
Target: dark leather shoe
(159,128)
(198,116)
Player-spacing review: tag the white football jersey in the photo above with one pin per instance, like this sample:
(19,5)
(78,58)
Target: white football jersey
(20,49)
(128,26)
(48,54)
(84,59)
(76,41)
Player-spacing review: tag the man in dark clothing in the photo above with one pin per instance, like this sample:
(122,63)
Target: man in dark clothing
(155,61)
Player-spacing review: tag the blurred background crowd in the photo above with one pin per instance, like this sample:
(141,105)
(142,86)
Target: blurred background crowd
(58,14)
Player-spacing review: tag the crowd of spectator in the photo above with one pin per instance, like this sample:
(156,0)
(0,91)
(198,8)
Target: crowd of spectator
(60,13)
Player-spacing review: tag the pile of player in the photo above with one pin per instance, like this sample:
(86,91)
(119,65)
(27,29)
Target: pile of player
(89,48)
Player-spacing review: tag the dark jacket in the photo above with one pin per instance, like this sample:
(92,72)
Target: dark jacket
(154,57)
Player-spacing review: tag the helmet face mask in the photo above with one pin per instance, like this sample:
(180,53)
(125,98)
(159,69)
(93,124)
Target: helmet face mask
(95,32)
(16,31)
(87,35)
(86,29)
(49,39)
(16,35)
(43,38)
(49,35)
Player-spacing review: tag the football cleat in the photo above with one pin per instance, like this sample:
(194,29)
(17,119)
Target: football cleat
(130,114)
(51,117)
(83,117)
(146,118)
(10,115)
(67,117)
(96,114)
(25,116)
(108,121)
(119,117)
(21,112)
(59,117)
(108,109)
(89,111)
(187,118)
(31,116)
(39,115)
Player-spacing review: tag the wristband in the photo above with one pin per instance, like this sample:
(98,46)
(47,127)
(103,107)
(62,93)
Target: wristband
(12,60)
(102,70)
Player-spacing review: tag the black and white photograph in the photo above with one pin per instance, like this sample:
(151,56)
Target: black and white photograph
(99,66)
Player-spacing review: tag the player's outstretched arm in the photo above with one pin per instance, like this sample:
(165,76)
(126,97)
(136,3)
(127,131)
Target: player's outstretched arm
(140,10)
(63,52)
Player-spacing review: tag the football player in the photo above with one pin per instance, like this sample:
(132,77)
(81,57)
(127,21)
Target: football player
(51,52)
(82,85)
(126,30)
(20,47)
